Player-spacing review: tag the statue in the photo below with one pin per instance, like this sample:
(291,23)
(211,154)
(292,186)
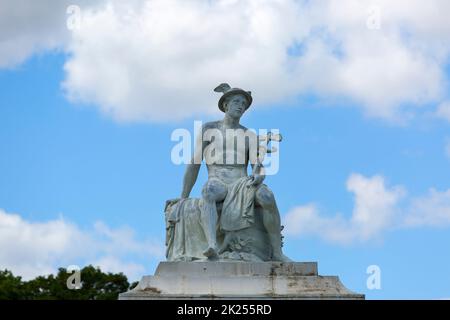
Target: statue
(237,217)
(228,244)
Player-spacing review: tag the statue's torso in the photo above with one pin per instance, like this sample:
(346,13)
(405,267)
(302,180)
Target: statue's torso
(227,153)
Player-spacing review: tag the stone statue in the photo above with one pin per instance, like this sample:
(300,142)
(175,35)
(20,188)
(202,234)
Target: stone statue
(233,231)
(237,217)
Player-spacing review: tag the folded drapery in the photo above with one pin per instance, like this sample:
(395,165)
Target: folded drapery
(185,238)
(238,207)
(241,233)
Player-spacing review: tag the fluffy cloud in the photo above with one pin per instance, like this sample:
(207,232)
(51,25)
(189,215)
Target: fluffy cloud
(112,264)
(157,60)
(377,209)
(36,248)
(176,52)
(306,220)
(431,210)
(27,27)
(375,204)
(30,27)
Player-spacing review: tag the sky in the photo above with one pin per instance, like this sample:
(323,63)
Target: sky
(91,92)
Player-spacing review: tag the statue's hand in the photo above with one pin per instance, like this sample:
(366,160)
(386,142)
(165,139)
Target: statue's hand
(256,180)
(172,201)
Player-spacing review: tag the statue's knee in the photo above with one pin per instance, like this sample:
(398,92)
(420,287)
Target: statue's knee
(213,192)
(208,193)
(265,197)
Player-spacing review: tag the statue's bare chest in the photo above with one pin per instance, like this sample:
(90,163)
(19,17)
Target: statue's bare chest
(226,146)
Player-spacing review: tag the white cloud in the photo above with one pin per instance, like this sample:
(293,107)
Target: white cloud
(30,249)
(443,110)
(134,271)
(374,211)
(306,220)
(158,60)
(29,27)
(172,60)
(377,209)
(375,204)
(431,210)
(175,53)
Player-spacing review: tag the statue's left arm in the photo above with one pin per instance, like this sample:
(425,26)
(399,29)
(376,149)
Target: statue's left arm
(258,173)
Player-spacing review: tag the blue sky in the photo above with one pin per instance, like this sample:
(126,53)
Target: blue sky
(87,169)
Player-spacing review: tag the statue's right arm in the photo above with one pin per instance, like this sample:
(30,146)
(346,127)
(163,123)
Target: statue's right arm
(192,169)
(190,176)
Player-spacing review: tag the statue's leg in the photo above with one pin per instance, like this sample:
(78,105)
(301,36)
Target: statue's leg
(271,219)
(213,191)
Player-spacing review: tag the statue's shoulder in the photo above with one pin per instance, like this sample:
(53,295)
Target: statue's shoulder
(211,125)
(245,128)
(248,132)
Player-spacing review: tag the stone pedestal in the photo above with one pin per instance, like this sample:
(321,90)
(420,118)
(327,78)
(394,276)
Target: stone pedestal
(238,280)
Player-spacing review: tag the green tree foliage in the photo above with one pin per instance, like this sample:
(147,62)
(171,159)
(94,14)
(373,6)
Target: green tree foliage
(11,287)
(95,285)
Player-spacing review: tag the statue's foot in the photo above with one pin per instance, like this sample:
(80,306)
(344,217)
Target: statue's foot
(210,253)
(223,248)
(281,257)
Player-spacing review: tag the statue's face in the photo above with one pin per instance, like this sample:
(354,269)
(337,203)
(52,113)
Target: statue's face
(236,105)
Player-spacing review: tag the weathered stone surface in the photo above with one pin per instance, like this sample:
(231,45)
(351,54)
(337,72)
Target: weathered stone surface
(237,217)
(228,243)
(239,280)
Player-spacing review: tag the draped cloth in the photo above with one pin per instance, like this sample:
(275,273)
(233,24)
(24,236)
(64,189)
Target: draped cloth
(240,230)
(185,238)
(238,210)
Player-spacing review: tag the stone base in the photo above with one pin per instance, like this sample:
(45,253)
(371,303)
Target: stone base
(238,280)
